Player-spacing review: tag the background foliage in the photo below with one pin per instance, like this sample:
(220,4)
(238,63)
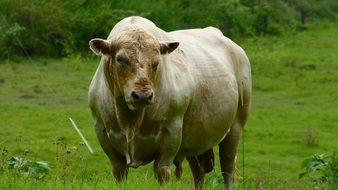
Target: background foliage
(60,28)
(295,73)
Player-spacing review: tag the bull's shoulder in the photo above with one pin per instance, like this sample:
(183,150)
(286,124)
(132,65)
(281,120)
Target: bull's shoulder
(198,30)
(218,38)
(94,95)
(223,40)
(98,93)
(214,31)
(209,37)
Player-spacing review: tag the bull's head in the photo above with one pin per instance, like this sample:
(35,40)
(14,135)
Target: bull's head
(133,58)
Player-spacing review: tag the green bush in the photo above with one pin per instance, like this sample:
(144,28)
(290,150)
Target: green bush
(55,27)
(28,168)
(321,169)
(60,28)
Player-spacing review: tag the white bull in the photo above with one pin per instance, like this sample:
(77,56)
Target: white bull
(165,96)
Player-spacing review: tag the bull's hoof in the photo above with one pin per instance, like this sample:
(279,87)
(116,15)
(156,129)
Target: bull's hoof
(163,174)
(119,173)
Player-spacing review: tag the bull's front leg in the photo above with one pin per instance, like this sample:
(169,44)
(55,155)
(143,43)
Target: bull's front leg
(169,144)
(118,161)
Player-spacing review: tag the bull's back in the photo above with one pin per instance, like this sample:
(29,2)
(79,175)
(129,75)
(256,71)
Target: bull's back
(215,99)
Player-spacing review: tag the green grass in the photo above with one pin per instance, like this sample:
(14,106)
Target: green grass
(295,78)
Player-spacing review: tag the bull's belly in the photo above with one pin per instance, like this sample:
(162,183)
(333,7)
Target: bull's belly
(137,149)
(206,128)
(211,113)
(200,137)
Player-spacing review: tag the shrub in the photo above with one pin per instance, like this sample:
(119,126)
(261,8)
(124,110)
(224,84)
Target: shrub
(321,169)
(54,28)
(28,168)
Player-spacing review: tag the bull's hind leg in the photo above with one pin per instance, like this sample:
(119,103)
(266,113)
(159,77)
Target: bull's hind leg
(227,154)
(120,172)
(200,165)
(228,147)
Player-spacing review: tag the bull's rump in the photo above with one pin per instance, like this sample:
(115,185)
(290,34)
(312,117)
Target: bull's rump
(214,101)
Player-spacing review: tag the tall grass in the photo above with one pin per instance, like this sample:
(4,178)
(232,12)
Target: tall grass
(294,78)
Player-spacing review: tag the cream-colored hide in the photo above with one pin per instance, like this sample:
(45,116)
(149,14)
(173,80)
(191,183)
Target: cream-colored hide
(166,96)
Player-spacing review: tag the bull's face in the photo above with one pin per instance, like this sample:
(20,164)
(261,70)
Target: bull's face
(133,59)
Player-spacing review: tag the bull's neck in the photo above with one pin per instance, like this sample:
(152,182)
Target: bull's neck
(128,120)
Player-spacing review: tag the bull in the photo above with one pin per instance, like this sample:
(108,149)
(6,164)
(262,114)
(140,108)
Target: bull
(168,96)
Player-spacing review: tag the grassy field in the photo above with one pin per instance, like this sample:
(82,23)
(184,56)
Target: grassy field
(294,115)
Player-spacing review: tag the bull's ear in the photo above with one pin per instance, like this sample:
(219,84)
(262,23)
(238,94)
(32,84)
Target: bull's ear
(99,46)
(168,47)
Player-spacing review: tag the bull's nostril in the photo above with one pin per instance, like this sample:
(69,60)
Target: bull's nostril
(134,95)
(151,96)
(142,97)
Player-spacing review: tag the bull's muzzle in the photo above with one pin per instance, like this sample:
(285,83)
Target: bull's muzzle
(142,98)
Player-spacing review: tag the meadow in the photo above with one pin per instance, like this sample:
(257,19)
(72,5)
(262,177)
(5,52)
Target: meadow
(294,115)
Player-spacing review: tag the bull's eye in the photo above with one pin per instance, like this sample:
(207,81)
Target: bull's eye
(121,60)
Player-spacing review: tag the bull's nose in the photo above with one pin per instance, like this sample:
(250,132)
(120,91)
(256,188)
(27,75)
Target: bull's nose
(142,97)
